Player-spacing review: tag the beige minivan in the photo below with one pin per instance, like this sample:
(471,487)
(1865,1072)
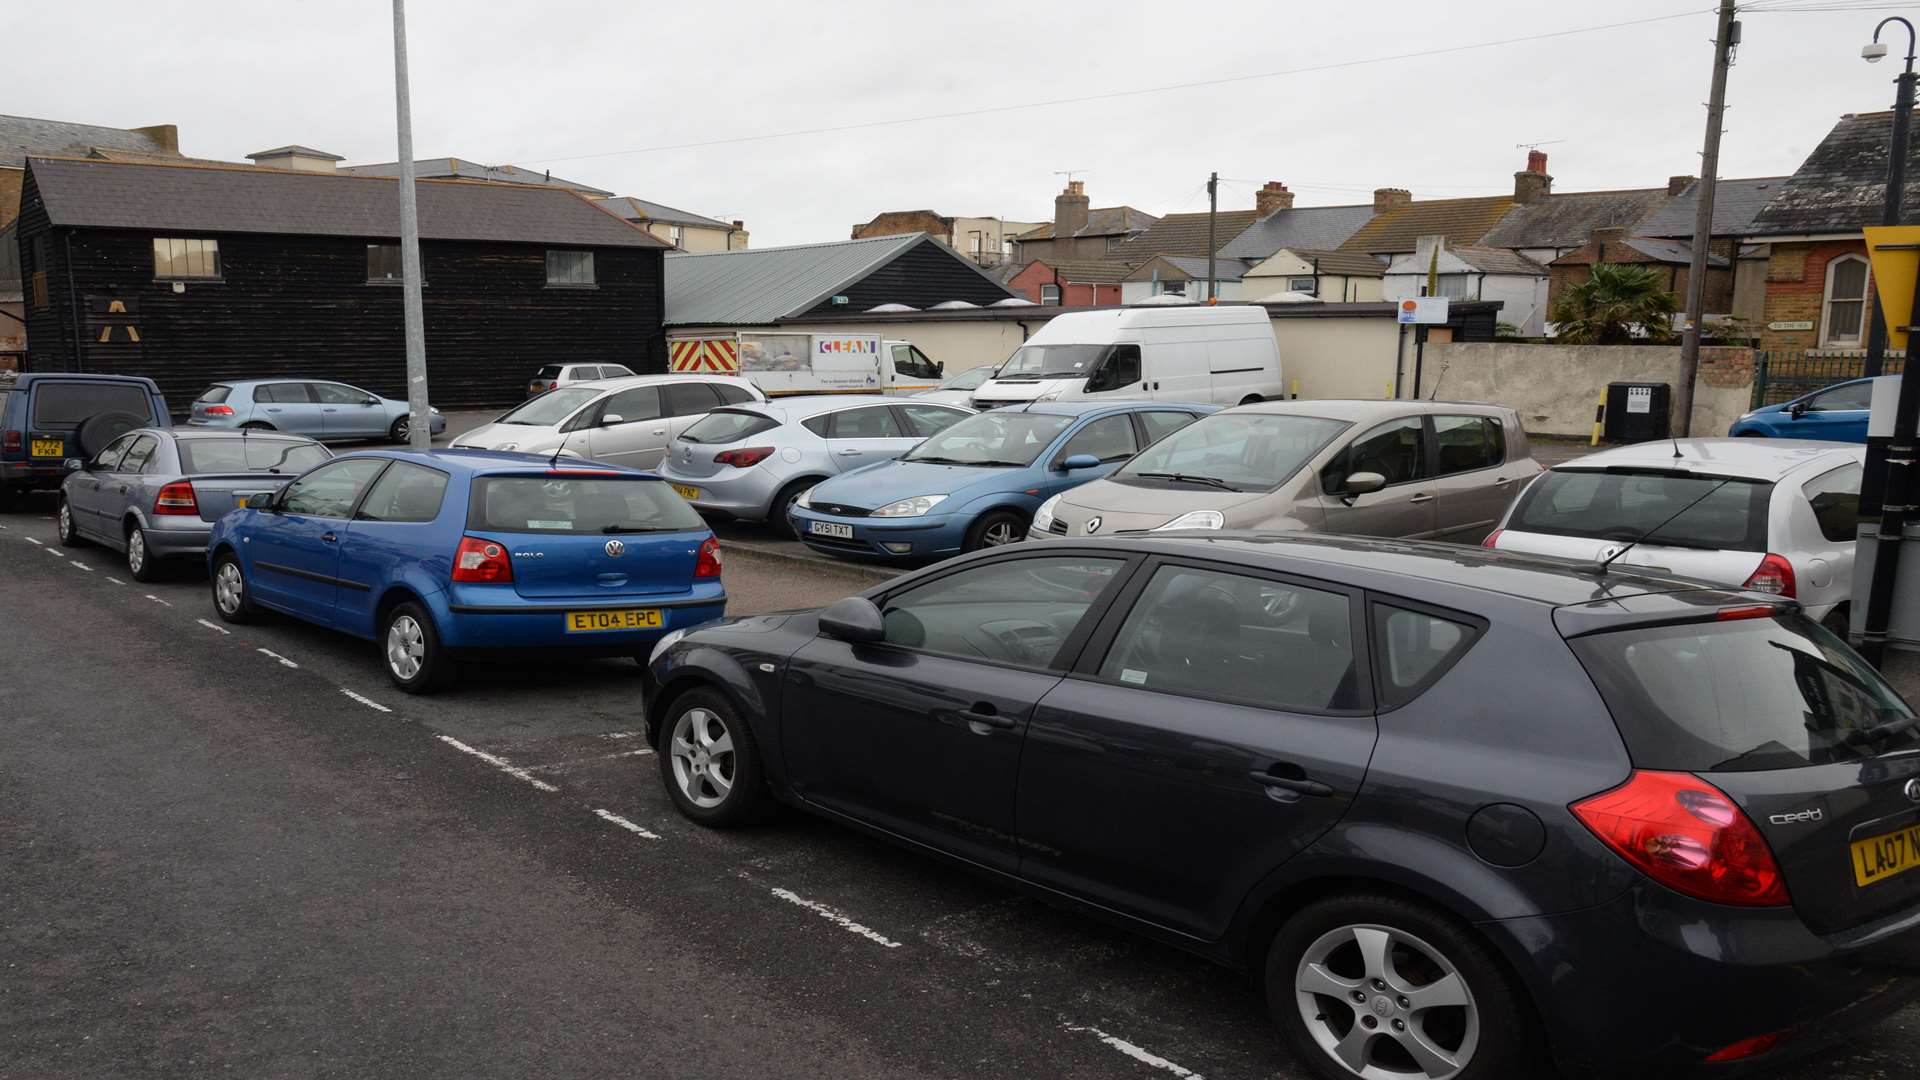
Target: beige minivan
(1433,469)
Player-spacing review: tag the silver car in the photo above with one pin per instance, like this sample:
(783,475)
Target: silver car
(317,408)
(154,493)
(555,376)
(959,389)
(749,462)
(624,421)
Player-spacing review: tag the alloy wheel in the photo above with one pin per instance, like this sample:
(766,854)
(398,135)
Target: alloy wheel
(228,587)
(703,758)
(406,647)
(1386,1005)
(403,430)
(136,551)
(66,521)
(998,534)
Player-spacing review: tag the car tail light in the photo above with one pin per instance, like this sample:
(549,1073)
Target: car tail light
(1493,539)
(482,561)
(11,442)
(709,564)
(1747,1048)
(743,459)
(1775,576)
(176,499)
(217,410)
(1686,834)
(1757,611)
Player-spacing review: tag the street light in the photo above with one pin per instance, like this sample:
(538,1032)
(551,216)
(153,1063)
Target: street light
(1873,53)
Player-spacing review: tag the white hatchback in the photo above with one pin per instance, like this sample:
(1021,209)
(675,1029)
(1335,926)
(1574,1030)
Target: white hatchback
(1776,515)
(624,421)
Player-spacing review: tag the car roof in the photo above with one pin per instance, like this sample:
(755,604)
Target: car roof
(799,406)
(1084,408)
(1361,410)
(480,462)
(189,433)
(24,379)
(1756,459)
(627,382)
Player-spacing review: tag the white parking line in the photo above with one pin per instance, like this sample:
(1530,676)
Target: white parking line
(625,824)
(1143,1056)
(284,662)
(55,552)
(367,701)
(80,565)
(34,542)
(622,734)
(115,580)
(157,600)
(215,627)
(588,760)
(500,763)
(836,918)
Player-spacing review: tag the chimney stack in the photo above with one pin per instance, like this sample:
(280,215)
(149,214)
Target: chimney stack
(1678,185)
(1070,210)
(1388,198)
(167,135)
(1271,197)
(296,158)
(1532,183)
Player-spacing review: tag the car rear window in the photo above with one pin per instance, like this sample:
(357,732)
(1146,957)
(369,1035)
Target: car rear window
(70,403)
(551,371)
(578,504)
(1687,510)
(249,454)
(215,394)
(728,425)
(1745,695)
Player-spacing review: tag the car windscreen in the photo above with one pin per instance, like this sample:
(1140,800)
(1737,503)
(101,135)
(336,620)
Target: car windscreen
(995,438)
(215,395)
(243,453)
(67,404)
(1052,362)
(728,425)
(1621,504)
(550,408)
(1232,451)
(1744,695)
(578,504)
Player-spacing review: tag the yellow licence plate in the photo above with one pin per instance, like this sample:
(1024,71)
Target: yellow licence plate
(594,622)
(687,493)
(48,447)
(1878,858)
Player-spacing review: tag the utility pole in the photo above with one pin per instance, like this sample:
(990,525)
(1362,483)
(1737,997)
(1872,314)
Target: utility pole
(1213,213)
(1725,38)
(1896,181)
(419,421)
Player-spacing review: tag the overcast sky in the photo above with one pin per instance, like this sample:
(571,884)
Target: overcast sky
(544,84)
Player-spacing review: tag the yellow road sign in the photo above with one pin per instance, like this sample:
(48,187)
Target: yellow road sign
(1895,253)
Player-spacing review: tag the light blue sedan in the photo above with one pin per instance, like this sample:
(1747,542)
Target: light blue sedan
(318,409)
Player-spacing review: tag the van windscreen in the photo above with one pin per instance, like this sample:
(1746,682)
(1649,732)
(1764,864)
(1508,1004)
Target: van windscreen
(1051,362)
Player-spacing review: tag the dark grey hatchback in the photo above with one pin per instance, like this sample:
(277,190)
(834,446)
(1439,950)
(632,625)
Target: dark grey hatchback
(1461,811)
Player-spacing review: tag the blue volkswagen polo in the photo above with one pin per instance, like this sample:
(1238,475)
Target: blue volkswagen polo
(976,484)
(439,554)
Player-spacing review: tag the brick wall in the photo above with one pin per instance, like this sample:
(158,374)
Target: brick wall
(1796,287)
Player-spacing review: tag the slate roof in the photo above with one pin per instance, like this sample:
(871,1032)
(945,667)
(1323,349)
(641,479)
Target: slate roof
(1461,221)
(1320,228)
(1840,186)
(1350,263)
(244,199)
(1735,204)
(1184,234)
(1566,221)
(638,209)
(1088,272)
(1101,221)
(1646,250)
(296,148)
(1192,267)
(22,137)
(767,285)
(447,168)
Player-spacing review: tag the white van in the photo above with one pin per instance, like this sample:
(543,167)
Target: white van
(1204,353)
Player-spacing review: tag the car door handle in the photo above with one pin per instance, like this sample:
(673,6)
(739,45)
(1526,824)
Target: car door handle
(659,431)
(983,715)
(1301,786)
(1503,481)
(328,538)
(1423,497)
(849,450)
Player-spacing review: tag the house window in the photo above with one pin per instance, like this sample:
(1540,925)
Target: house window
(383,262)
(1050,294)
(575,268)
(976,244)
(1170,288)
(178,259)
(1455,286)
(1307,285)
(1846,302)
(675,234)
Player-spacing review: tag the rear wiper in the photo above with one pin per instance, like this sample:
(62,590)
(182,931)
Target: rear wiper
(1188,478)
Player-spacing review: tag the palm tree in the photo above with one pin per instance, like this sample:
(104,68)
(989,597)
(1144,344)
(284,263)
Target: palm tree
(1619,304)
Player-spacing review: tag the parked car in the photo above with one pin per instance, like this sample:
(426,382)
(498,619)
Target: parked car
(750,462)
(959,389)
(1756,514)
(154,493)
(1371,468)
(626,421)
(1226,355)
(1441,801)
(977,483)
(555,376)
(318,409)
(1833,414)
(47,418)
(443,555)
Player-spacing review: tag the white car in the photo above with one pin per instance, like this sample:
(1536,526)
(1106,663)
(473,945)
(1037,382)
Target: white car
(555,376)
(626,421)
(1776,515)
(959,389)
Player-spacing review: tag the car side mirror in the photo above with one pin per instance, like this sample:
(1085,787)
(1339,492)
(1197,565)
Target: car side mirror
(1797,410)
(1363,483)
(370,400)
(939,368)
(854,619)
(74,464)
(1080,461)
(612,418)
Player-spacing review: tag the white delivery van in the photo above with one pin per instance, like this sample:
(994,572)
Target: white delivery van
(1204,353)
(783,363)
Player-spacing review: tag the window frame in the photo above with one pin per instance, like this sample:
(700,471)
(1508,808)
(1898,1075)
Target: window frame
(1812,401)
(1384,698)
(1312,288)
(1427,453)
(1049,302)
(1433,432)
(280,500)
(379,478)
(120,466)
(592,277)
(1065,438)
(1145,434)
(305,389)
(604,405)
(399,271)
(1827,340)
(219,266)
(125,443)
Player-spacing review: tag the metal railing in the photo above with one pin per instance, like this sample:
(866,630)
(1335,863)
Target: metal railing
(1782,376)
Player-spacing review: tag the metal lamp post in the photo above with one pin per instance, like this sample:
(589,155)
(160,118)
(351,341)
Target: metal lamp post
(1896,168)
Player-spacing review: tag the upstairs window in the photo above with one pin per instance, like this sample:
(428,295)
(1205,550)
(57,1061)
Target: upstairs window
(383,263)
(176,259)
(1050,294)
(1846,302)
(676,235)
(570,268)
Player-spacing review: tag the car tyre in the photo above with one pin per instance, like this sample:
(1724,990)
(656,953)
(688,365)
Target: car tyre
(1347,976)
(1252,399)
(710,761)
(256,425)
(232,599)
(411,652)
(96,431)
(777,518)
(401,431)
(63,520)
(142,563)
(996,529)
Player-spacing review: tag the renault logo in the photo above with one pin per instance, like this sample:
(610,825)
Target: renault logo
(1913,789)
(1093,525)
(615,549)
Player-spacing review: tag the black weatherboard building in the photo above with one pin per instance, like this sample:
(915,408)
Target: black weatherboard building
(191,274)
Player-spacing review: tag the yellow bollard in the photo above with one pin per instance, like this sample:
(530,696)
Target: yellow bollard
(1599,418)
(1294,393)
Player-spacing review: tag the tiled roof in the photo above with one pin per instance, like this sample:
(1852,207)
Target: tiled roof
(1349,263)
(23,136)
(452,168)
(1461,221)
(1644,249)
(1101,221)
(1090,272)
(1564,221)
(1321,228)
(1839,188)
(1735,203)
(637,209)
(1184,234)
(243,199)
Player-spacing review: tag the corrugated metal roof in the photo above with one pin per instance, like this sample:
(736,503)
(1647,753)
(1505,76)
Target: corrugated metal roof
(634,208)
(24,136)
(1319,228)
(766,285)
